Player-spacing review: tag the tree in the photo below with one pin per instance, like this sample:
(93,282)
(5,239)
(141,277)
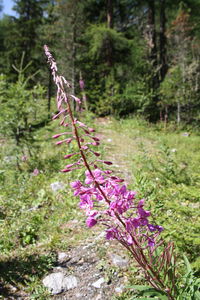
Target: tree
(162,42)
(181,40)
(21,107)
(23,35)
(1,6)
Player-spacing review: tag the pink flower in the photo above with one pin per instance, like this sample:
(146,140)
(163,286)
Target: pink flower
(35,172)
(81,84)
(97,175)
(76,99)
(70,155)
(24,158)
(67,141)
(151,242)
(91,222)
(60,134)
(129,240)
(129,225)
(76,184)
(155,228)
(111,233)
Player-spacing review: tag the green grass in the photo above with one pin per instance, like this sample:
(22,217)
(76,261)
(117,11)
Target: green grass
(162,165)
(35,220)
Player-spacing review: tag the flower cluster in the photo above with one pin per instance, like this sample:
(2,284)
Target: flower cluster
(115,207)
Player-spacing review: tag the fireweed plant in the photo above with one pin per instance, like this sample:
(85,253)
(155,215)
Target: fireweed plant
(105,199)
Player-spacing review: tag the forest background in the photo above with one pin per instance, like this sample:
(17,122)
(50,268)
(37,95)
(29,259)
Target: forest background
(133,56)
(137,61)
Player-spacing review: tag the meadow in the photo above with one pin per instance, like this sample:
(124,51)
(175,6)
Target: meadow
(37,204)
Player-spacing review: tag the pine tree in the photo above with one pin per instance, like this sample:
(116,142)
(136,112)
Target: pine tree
(23,35)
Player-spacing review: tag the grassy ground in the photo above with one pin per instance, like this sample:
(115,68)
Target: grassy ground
(35,220)
(161,164)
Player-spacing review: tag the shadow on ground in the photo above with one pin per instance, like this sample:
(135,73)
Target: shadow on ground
(18,271)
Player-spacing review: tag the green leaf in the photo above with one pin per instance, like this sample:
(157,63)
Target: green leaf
(146,298)
(187,264)
(148,291)
(139,287)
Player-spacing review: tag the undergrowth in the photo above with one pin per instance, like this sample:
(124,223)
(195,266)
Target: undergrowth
(164,171)
(163,167)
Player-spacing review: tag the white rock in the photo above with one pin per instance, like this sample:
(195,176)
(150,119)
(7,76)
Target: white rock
(58,282)
(62,256)
(98,297)
(70,282)
(119,289)
(56,186)
(100,236)
(54,282)
(9,158)
(78,295)
(97,284)
(60,269)
(119,261)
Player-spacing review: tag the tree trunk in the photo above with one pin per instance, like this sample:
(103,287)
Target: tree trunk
(178,112)
(109,25)
(84,98)
(151,33)
(166,115)
(163,42)
(110,13)
(153,59)
(73,58)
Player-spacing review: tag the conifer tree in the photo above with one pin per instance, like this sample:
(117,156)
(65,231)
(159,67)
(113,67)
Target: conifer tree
(24,36)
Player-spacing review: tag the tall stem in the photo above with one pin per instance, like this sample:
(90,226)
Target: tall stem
(136,250)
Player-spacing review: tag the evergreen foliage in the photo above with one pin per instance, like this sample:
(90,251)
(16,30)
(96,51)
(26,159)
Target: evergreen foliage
(126,52)
(21,107)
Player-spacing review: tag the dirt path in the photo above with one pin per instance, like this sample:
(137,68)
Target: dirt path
(100,267)
(118,148)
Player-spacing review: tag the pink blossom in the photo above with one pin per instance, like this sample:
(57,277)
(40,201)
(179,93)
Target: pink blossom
(76,99)
(91,129)
(129,240)
(58,114)
(24,158)
(97,175)
(81,84)
(76,184)
(35,172)
(151,242)
(91,222)
(70,155)
(106,162)
(143,213)
(111,233)
(67,141)
(60,134)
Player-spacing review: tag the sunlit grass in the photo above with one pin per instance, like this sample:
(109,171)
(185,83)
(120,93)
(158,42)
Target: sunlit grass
(160,164)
